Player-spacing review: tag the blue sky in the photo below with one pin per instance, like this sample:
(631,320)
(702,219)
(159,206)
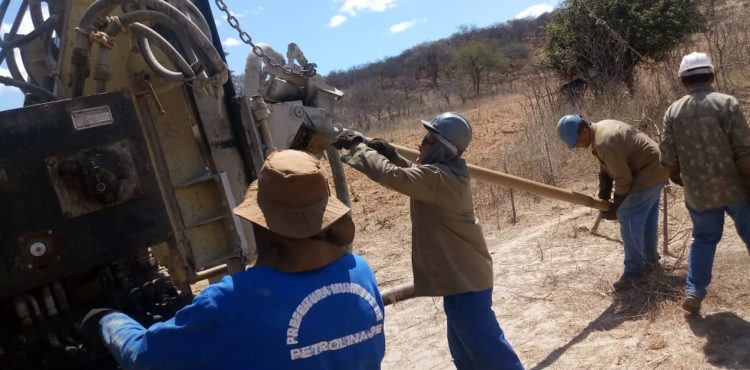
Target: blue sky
(339,34)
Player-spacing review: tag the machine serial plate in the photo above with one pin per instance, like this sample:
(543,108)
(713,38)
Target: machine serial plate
(92,117)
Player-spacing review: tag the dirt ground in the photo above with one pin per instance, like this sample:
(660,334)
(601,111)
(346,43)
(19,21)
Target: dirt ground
(552,291)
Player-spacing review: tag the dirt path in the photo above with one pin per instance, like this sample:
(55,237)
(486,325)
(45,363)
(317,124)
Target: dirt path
(553,299)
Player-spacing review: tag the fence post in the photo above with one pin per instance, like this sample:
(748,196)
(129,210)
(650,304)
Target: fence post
(513,218)
(665,234)
(549,163)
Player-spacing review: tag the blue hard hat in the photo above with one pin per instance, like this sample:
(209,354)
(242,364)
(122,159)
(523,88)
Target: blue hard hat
(567,129)
(453,128)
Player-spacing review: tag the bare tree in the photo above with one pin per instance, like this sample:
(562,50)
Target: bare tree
(431,58)
(479,58)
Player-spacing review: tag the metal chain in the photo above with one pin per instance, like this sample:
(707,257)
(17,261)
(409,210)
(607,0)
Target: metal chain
(308,70)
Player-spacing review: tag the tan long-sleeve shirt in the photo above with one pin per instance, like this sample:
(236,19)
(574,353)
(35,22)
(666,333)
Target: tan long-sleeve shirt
(628,156)
(449,253)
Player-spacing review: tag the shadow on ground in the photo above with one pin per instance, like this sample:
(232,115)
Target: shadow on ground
(727,339)
(605,237)
(645,298)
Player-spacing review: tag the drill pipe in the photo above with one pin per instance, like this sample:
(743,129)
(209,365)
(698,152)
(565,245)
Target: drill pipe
(397,293)
(504,179)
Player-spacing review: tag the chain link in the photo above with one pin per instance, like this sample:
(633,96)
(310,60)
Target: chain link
(308,70)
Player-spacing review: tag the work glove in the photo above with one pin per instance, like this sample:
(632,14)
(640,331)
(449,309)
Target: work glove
(347,139)
(612,213)
(90,323)
(605,186)
(383,148)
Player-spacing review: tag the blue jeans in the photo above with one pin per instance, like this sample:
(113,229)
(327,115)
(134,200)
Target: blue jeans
(708,227)
(639,227)
(475,338)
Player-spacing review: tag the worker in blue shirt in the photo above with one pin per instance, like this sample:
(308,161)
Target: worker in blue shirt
(306,304)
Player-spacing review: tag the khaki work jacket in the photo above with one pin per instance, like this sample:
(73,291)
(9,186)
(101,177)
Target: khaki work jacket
(629,156)
(449,253)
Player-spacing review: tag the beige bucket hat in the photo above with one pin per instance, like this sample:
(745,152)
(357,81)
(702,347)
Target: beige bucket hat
(292,197)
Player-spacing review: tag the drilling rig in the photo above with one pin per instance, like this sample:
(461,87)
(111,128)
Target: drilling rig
(119,174)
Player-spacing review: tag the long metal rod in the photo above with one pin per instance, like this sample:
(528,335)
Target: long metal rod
(208,273)
(596,224)
(538,188)
(397,293)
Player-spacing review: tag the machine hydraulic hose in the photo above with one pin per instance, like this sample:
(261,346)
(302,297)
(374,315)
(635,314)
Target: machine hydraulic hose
(192,30)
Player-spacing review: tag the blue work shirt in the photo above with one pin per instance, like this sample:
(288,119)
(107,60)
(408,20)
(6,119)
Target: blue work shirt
(329,318)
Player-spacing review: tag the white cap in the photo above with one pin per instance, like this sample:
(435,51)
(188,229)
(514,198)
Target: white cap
(696,63)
